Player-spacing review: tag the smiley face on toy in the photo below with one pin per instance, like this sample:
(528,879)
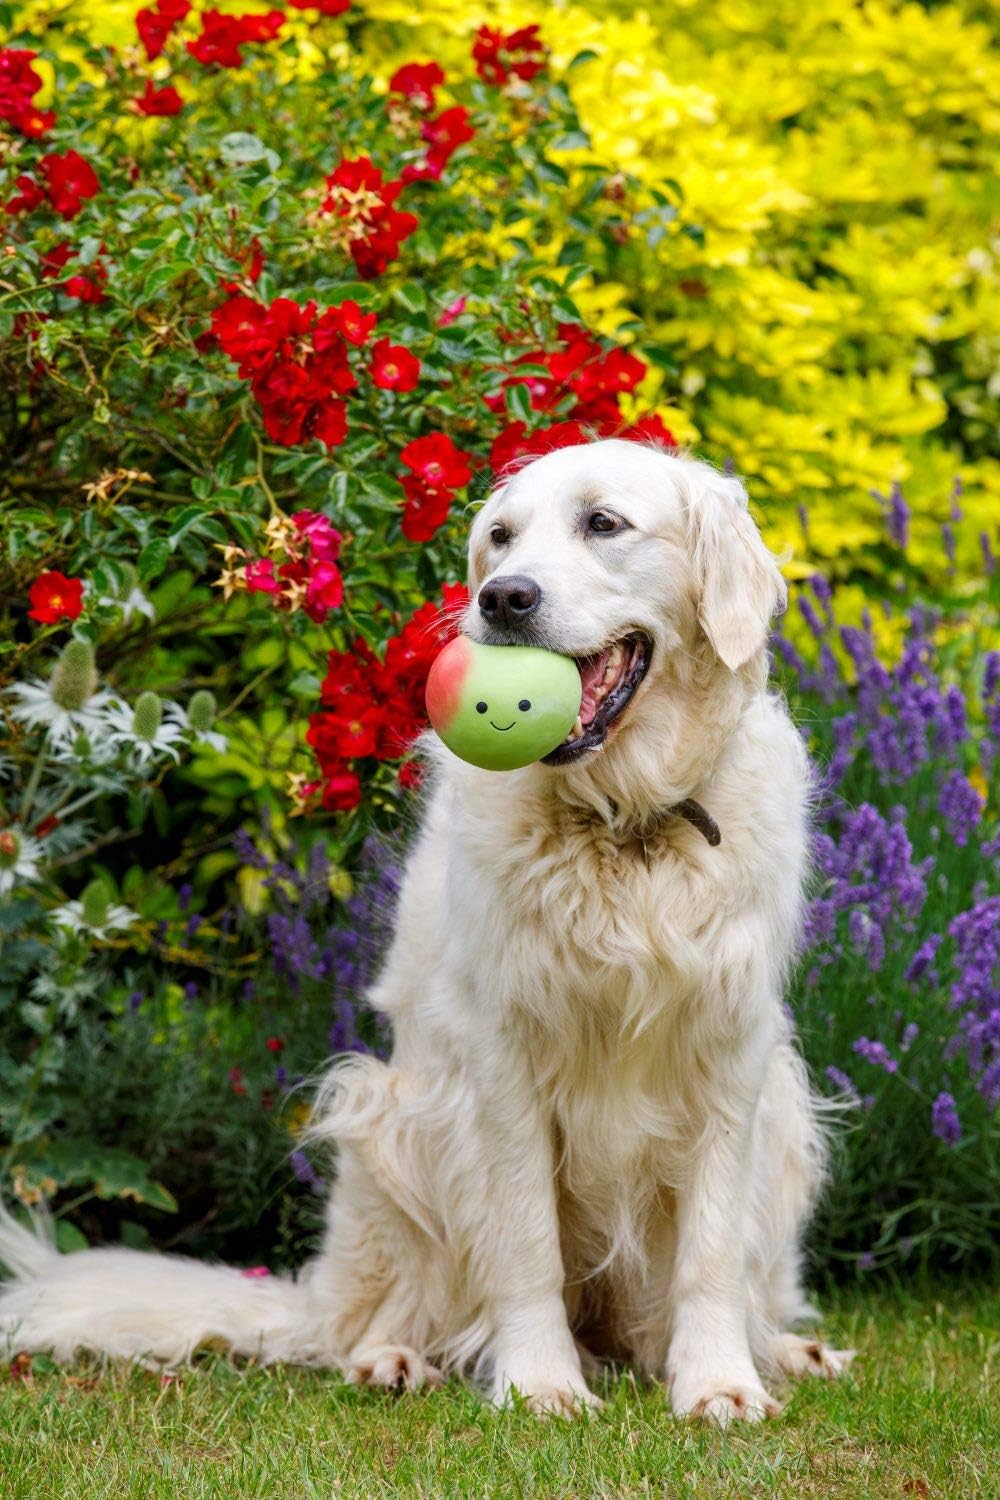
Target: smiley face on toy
(502,707)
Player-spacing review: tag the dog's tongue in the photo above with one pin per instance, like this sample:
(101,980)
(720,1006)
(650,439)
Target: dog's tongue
(591,676)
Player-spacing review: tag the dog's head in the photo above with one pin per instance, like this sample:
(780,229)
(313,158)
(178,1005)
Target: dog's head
(645,567)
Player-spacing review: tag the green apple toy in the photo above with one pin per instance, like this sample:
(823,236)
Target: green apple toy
(502,707)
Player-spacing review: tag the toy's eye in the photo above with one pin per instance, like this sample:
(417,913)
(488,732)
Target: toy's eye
(524,705)
(481,708)
(499,536)
(600,521)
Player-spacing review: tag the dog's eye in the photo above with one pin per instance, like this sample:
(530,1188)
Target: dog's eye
(499,536)
(600,521)
(481,708)
(524,705)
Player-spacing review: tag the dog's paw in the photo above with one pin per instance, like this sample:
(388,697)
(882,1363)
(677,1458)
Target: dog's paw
(553,1396)
(393,1367)
(726,1403)
(799,1357)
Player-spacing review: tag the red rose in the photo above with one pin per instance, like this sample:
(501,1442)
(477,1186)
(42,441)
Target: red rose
(373,230)
(520,54)
(87,286)
(410,775)
(30,195)
(349,321)
(222,36)
(323,539)
(54,597)
(341,791)
(324,591)
(162,101)
(18,84)
(651,429)
(417,82)
(447,132)
(155,23)
(70,179)
(426,509)
(393,367)
(437,461)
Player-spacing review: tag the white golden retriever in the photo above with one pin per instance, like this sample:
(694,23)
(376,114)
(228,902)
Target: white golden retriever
(594,1135)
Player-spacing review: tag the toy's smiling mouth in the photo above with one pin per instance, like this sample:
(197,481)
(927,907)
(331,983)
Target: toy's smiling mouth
(609,679)
(503,728)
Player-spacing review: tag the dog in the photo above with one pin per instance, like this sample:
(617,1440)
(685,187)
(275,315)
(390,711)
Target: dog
(594,1136)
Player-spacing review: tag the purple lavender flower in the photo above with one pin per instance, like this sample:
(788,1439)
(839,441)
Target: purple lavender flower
(194,921)
(910,1033)
(944,1119)
(989,560)
(876,1053)
(135,1000)
(810,616)
(897,521)
(948,538)
(305,1172)
(866,1260)
(961,806)
(843,1084)
(991,675)
(920,963)
(184,895)
(989,1083)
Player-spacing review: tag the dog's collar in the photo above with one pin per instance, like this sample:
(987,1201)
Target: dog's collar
(692,812)
(699,818)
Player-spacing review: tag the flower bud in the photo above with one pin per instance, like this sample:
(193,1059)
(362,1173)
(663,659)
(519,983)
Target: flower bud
(10,847)
(202,710)
(74,677)
(94,903)
(147,716)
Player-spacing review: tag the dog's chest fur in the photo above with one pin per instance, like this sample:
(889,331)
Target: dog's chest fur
(597,961)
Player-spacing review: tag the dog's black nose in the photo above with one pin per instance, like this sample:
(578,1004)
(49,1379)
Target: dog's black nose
(509,601)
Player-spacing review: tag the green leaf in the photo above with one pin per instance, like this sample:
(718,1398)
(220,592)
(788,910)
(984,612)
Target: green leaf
(239,149)
(575,140)
(153,559)
(412,296)
(110,1171)
(518,401)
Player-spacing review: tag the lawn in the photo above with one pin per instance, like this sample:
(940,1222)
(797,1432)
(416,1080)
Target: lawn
(918,1417)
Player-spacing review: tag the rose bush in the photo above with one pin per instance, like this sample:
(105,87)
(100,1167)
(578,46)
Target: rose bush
(280,291)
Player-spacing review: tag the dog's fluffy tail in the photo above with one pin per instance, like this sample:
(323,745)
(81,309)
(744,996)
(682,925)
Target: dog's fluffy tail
(152,1309)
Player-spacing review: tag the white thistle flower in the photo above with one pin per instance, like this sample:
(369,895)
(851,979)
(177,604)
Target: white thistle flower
(145,732)
(135,602)
(175,714)
(37,708)
(115,919)
(20,860)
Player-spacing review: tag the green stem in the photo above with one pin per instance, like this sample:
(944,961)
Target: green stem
(36,775)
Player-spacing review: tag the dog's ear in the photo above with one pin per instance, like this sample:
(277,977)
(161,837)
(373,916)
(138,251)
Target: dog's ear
(740,587)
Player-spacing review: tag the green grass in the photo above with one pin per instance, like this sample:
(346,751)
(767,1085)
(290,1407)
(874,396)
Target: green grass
(919,1416)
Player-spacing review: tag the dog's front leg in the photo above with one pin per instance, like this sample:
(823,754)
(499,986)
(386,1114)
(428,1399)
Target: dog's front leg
(710,1368)
(518,1258)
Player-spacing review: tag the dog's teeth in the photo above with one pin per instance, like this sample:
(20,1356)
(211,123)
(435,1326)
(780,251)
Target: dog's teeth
(577,729)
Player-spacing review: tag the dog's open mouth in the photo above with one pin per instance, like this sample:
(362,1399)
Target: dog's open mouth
(609,679)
